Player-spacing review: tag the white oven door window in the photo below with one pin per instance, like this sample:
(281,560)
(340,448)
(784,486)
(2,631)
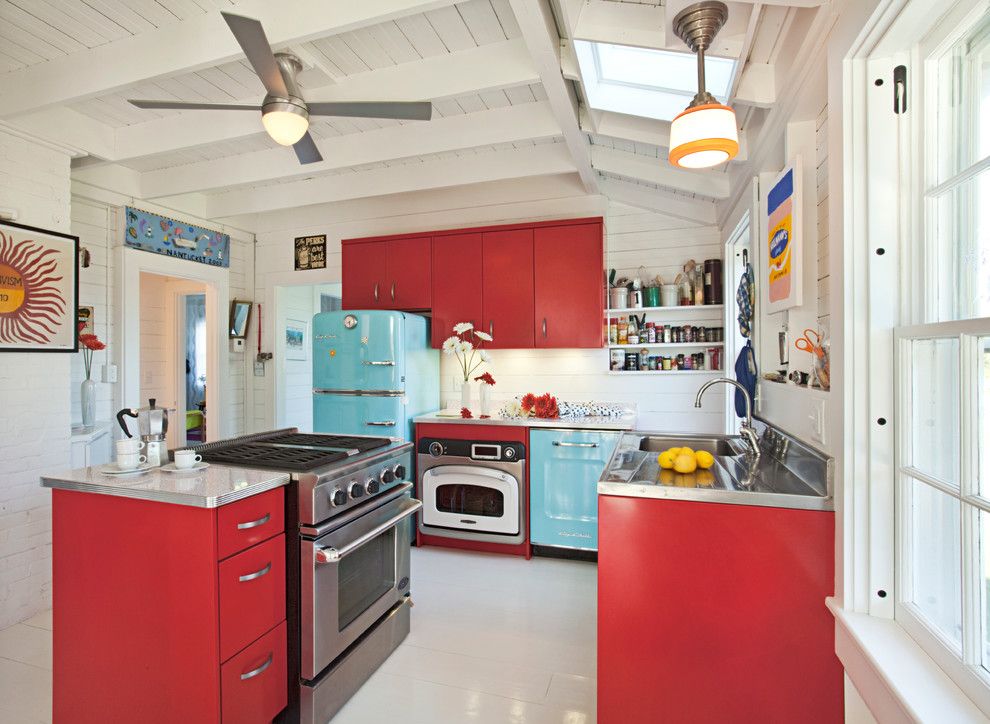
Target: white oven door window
(465,497)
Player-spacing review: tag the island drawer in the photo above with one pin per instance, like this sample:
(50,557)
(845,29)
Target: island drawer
(249,521)
(252,684)
(252,594)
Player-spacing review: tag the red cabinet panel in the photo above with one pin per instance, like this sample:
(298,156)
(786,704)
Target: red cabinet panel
(457,293)
(242,524)
(409,274)
(507,287)
(252,594)
(568,264)
(715,613)
(363,275)
(252,684)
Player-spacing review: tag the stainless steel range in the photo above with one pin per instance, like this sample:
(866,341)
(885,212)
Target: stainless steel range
(349,604)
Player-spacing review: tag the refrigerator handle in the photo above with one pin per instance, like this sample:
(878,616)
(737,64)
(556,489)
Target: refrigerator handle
(381,423)
(375,363)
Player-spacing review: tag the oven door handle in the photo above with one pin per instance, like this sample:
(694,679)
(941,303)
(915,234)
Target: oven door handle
(332,555)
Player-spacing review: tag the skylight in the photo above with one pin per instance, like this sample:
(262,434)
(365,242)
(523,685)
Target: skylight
(644,82)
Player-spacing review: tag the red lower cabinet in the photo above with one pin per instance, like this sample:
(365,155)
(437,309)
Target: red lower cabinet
(713,613)
(252,684)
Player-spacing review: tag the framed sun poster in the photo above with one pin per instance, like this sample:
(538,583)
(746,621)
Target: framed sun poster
(783,250)
(39,290)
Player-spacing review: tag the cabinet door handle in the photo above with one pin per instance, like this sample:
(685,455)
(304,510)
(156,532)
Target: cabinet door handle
(257,574)
(561,443)
(255,523)
(376,291)
(491,328)
(393,291)
(254,672)
(544,328)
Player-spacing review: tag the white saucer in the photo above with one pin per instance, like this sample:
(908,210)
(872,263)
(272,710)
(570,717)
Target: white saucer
(171,468)
(112,469)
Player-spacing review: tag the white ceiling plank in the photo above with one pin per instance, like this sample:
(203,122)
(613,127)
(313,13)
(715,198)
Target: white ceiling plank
(491,67)
(458,132)
(67,127)
(449,25)
(622,24)
(481,20)
(508,20)
(758,85)
(80,15)
(693,210)
(421,35)
(712,184)
(540,34)
(544,160)
(205,41)
(391,39)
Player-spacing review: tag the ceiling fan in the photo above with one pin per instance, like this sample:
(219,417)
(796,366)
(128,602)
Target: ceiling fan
(284,113)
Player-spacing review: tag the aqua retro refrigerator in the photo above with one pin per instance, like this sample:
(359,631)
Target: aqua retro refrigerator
(373,372)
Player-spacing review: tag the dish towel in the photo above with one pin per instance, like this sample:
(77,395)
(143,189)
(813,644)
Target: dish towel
(746,375)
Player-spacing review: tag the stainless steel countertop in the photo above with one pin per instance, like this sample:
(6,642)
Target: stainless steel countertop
(635,473)
(210,488)
(625,422)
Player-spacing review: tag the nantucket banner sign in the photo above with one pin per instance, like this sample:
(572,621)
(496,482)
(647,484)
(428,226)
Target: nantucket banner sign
(162,235)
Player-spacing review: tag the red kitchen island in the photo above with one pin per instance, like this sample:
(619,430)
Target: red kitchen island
(711,598)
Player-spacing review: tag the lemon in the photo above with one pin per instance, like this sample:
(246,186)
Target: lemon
(667,477)
(705,478)
(685,463)
(704,458)
(666,460)
(687,451)
(674,451)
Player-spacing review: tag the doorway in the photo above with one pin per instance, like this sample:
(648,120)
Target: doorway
(738,259)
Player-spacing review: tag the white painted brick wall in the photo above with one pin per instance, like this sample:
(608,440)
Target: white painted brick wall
(35,397)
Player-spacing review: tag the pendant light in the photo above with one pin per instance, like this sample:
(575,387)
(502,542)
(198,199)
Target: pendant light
(704,134)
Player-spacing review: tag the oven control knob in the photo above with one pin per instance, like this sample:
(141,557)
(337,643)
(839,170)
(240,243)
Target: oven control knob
(509,453)
(371,486)
(355,490)
(338,497)
(400,472)
(387,476)
(436,449)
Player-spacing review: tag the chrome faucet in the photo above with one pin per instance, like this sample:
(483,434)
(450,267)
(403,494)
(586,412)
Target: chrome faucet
(746,428)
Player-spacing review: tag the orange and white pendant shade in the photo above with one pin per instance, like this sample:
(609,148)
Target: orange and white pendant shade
(703,136)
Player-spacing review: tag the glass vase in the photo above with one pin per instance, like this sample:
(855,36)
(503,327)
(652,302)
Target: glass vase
(466,394)
(87,400)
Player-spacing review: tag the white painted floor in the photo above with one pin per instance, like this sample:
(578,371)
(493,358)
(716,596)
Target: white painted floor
(495,640)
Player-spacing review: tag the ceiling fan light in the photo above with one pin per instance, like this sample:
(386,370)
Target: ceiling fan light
(285,127)
(703,136)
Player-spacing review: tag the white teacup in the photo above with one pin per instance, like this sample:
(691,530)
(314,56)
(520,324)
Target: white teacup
(129,446)
(185,459)
(130,461)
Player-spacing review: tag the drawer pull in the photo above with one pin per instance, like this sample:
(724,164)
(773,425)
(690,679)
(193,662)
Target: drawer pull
(254,672)
(560,443)
(255,523)
(257,574)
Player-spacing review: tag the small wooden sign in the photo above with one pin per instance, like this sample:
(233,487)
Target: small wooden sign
(311,252)
(84,319)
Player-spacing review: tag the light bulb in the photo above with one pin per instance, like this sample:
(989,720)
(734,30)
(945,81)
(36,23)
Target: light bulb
(703,136)
(285,127)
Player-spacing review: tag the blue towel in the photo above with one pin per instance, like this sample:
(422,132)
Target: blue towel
(746,375)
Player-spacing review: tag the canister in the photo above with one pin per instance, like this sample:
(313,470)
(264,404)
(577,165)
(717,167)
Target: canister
(618,298)
(651,297)
(668,295)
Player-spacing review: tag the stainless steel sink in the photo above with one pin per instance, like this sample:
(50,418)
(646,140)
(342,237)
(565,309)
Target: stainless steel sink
(718,445)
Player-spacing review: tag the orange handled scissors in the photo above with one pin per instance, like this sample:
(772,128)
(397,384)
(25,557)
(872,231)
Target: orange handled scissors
(811,342)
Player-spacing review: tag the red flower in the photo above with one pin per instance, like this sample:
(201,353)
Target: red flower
(91,341)
(466,413)
(484,417)
(528,402)
(486,378)
(546,406)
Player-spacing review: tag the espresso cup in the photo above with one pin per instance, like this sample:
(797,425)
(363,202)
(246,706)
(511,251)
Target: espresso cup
(185,459)
(129,446)
(130,461)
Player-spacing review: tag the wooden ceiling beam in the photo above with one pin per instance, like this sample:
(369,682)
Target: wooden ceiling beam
(712,184)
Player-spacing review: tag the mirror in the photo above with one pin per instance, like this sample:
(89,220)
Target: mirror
(240,318)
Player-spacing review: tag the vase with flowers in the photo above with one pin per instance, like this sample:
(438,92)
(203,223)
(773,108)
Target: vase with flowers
(87,391)
(467,345)
(487,385)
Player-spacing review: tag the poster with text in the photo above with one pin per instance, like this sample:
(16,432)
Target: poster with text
(39,290)
(311,252)
(782,255)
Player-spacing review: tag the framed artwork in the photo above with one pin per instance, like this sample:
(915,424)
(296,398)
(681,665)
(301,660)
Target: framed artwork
(240,318)
(172,237)
(39,290)
(311,252)
(783,265)
(296,339)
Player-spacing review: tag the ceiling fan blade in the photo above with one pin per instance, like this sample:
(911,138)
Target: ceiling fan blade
(406,111)
(251,37)
(183,106)
(306,150)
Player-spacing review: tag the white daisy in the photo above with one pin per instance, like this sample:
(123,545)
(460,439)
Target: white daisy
(482,335)
(450,345)
(464,347)
(485,357)
(462,327)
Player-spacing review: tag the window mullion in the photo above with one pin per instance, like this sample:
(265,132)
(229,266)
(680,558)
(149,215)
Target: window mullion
(972,587)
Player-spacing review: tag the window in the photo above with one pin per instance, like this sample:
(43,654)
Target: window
(943,369)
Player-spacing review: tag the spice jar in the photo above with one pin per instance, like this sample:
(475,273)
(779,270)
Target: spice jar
(651,333)
(613,330)
(665,363)
(623,332)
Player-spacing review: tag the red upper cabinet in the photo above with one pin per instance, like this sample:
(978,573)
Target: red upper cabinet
(568,264)
(363,274)
(507,288)
(457,275)
(409,274)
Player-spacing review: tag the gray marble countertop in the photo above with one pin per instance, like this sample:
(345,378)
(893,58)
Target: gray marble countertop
(209,488)
(625,422)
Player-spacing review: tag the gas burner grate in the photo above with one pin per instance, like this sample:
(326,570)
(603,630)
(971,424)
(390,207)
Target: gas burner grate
(344,442)
(254,455)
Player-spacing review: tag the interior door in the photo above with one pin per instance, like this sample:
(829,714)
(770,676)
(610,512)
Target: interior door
(507,288)
(570,297)
(363,273)
(409,274)
(457,279)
